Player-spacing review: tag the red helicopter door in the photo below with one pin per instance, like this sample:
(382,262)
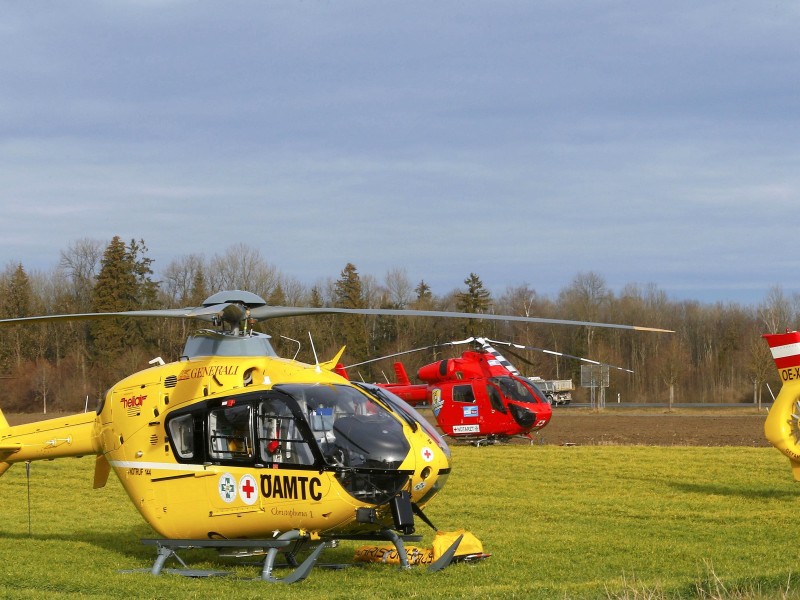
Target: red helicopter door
(459,408)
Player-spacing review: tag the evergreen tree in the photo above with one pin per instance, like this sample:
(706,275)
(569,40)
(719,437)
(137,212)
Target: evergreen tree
(348,294)
(322,328)
(277,297)
(199,289)
(276,327)
(476,299)
(146,294)
(348,288)
(123,284)
(18,297)
(315,297)
(17,302)
(423,291)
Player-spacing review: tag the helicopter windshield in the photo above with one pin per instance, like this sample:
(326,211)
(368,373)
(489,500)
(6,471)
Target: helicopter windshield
(350,428)
(514,389)
(408,412)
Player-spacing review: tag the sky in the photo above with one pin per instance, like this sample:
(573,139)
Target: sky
(525,141)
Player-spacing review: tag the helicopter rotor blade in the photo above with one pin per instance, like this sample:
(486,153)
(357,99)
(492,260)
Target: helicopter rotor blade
(237,305)
(205,313)
(175,313)
(551,352)
(432,346)
(469,340)
(261,313)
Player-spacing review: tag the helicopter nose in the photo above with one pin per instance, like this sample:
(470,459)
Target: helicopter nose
(530,418)
(431,473)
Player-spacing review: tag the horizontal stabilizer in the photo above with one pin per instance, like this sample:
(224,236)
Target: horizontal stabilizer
(8,449)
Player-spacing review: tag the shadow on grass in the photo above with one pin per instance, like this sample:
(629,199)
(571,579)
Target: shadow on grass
(136,555)
(117,542)
(711,489)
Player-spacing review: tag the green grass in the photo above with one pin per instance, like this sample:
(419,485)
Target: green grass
(579,522)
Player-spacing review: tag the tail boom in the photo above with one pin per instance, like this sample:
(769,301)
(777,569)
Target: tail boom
(44,440)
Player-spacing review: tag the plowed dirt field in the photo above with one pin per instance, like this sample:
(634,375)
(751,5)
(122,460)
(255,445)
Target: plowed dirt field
(684,427)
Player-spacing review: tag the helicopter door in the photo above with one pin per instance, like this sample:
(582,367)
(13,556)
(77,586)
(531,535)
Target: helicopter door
(233,489)
(280,440)
(462,414)
(230,433)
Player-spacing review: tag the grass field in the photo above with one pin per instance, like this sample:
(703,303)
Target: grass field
(560,522)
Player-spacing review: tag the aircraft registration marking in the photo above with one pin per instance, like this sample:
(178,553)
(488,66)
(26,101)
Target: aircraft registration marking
(791,374)
(135,464)
(466,428)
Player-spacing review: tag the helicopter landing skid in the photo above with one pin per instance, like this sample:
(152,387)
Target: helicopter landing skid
(168,549)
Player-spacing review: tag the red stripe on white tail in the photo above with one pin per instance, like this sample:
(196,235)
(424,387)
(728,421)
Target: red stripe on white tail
(785,348)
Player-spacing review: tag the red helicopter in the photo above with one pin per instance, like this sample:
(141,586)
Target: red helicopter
(479,397)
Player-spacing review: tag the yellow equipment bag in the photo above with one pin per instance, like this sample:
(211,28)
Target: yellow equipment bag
(388,554)
(469,546)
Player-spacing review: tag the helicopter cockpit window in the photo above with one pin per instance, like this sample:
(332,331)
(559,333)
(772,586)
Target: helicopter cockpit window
(463,393)
(350,428)
(181,430)
(515,390)
(230,432)
(280,440)
(495,398)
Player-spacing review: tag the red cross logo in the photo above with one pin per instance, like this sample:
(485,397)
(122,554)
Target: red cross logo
(247,489)
(427,454)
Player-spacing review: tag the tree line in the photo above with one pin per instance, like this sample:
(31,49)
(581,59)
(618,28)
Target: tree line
(715,355)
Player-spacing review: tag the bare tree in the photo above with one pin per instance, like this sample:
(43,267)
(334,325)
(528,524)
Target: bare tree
(776,312)
(179,281)
(584,300)
(399,287)
(81,262)
(242,267)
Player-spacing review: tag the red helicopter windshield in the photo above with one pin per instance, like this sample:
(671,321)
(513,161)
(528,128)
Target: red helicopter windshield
(514,389)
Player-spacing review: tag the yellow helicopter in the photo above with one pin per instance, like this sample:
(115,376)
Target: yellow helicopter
(235,448)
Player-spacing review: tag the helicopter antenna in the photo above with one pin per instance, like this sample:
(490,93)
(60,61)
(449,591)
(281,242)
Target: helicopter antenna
(314,350)
(296,342)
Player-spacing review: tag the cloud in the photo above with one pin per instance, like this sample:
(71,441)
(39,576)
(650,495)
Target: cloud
(526,142)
